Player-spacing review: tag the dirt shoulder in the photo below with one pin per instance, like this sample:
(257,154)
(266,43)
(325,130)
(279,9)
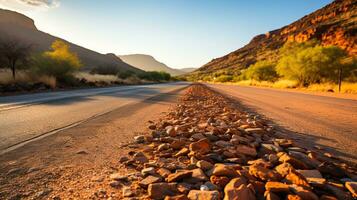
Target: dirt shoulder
(74,163)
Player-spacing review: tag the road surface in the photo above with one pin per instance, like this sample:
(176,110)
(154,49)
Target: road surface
(25,117)
(329,122)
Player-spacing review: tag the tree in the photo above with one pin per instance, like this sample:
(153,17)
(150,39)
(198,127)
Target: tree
(60,62)
(261,71)
(14,54)
(312,63)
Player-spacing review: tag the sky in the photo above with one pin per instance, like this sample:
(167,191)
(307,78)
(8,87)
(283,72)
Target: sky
(179,33)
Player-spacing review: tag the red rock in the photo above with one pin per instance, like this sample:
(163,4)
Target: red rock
(177,144)
(237,190)
(179,175)
(202,146)
(220,181)
(271,196)
(184,151)
(284,169)
(149,180)
(264,173)
(161,190)
(178,197)
(224,170)
(203,195)
(246,150)
(277,187)
(293,197)
(352,187)
(297,179)
(297,164)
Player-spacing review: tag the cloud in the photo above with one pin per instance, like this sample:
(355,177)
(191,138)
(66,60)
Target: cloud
(40,3)
(29,5)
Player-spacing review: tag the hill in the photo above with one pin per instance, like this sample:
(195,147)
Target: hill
(334,24)
(149,63)
(17,26)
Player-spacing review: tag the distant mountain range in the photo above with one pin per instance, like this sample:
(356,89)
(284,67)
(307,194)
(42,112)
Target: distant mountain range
(149,63)
(17,26)
(334,24)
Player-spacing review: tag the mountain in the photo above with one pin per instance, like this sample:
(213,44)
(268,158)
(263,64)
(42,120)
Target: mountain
(334,24)
(188,69)
(17,26)
(149,63)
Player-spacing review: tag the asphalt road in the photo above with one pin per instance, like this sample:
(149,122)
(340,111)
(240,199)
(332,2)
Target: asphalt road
(329,122)
(25,117)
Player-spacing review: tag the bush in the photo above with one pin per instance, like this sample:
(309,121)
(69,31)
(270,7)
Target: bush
(106,70)
(310,63)
(126,74)
(59,63)
(261,71)
(155,76)
(224,78)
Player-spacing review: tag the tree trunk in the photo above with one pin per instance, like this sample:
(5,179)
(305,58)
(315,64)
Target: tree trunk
(13,69)
(339,79)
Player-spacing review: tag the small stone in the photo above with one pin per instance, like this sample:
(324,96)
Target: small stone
(198,136)
(264,173)
(271,196)
(161,190)
(203,195)
(149,180)
(163,147)
(236,189)
(148,171)
(297,164)
(352,187)
(272,147)
(202,146)
(82,152)
(246,150)
(163,172)
(177,144)
(139,139)
(115,183)
(295,178)
(284,169)
(197,176)
(224,170)
(123,159)
(127,192)
(170,130)
(303,193)
(276,187)
(223,144)
(118,177)
(152,127)
(179,175)
(184,151)
(254,130)
(177,197)
(204,165)
(220,181)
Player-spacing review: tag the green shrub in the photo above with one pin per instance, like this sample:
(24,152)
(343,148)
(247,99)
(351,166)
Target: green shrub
(310,63)
(261,71)
(224,78)
(155,76)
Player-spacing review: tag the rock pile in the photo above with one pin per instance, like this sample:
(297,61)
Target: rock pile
(208,149)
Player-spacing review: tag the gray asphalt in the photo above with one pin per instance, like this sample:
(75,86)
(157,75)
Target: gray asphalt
(310,119)
(24,117)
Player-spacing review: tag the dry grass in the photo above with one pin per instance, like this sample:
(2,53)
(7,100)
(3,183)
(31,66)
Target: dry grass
(96,77)
(24,77)
(347,87)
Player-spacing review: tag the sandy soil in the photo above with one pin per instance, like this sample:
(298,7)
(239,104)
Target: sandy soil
(75,163)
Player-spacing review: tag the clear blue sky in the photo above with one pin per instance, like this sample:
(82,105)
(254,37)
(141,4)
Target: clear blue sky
(180,33)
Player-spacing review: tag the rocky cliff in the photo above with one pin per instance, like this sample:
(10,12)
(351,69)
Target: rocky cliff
(334,24)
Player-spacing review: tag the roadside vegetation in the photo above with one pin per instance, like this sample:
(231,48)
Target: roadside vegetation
(23,70)
(306,65)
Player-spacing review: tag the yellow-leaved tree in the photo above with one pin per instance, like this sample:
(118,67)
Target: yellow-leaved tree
(59,62)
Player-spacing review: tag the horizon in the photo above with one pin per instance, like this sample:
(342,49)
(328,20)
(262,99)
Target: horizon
(178,34)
